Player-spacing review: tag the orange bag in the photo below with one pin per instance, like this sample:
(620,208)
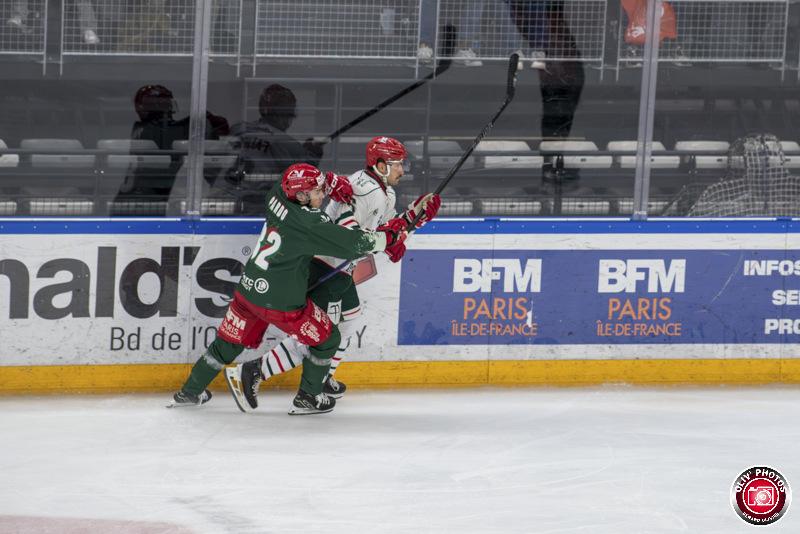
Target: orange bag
(636,32)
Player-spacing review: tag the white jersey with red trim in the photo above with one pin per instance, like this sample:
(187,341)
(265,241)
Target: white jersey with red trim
(373,204)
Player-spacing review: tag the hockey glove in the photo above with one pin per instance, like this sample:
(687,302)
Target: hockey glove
(338,188)
(396,234)
(428,205)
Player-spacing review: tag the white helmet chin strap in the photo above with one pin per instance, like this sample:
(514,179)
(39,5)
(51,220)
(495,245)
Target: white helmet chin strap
(384,177)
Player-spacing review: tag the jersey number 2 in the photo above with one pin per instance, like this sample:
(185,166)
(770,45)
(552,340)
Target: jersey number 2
(268,244)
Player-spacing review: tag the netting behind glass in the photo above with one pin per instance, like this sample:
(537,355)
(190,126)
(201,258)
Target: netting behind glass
(493,29)
(146,27)
(756,184)
(721,31)
(24,26)
(337,29)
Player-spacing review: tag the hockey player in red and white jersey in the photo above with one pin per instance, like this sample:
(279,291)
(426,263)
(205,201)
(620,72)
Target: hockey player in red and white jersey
(373,203)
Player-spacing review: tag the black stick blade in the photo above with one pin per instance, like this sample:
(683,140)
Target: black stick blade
(513,63)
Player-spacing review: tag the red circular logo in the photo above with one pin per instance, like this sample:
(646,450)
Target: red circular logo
(760,495)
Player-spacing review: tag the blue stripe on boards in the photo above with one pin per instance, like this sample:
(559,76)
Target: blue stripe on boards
(489,225)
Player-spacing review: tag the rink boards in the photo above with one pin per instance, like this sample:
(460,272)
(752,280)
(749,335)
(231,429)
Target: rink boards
(98,305)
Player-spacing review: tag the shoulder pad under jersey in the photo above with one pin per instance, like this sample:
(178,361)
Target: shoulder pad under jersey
(363,184)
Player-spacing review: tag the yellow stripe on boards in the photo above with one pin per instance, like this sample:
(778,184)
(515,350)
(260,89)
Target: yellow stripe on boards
(169,377)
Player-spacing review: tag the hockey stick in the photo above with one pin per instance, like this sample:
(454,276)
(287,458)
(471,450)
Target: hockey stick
(448,46)
(510,90)
(511,83)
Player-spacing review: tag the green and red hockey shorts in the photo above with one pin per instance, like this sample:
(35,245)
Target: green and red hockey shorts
(245,323)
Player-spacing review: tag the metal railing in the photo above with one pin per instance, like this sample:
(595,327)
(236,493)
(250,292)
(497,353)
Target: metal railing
(24,28)
(721,31)
(377,29)
(492,29)
(146,28)
(706,31)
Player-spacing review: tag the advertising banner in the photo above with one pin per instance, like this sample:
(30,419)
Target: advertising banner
(122,292)
(114,299)
(502,297)
(111,294)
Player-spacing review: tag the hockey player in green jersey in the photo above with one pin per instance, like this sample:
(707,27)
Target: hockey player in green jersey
(373,204)
(272,290)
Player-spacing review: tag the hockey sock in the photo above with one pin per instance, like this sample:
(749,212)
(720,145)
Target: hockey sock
(217,356)
(287,355)
(318,363)
(347,330)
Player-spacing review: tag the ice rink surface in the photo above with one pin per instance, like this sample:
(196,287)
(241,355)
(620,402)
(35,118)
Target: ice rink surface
(611,460)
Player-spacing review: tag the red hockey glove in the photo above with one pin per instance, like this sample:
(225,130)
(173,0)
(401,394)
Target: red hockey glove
(428,205)
(338,188)
(396,252)
(396,234)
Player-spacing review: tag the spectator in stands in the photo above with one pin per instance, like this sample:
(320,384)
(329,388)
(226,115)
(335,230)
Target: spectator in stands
(266,150)
(533,20)
(156,107)
(561,82)
(469,31)
(86,19)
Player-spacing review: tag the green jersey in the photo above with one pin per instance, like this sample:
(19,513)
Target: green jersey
(276,276)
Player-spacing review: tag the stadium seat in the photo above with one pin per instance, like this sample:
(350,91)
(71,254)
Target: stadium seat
(126,161)
(136,207)
(584,206)
(60,206)
(218,154)
(211,146)
(452,204)
(709,161)
(581,161)
(214,206)
(442,154)
(455,208)
(654,207)
(516,161)
(510,206)
(52,158)
(656,162)
(259,178)
(8,160)
(791,161)
(182,145)
(8,208)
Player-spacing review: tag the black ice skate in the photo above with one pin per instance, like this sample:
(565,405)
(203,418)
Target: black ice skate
(182,399)
(308,404)
(243,381)
(333,388)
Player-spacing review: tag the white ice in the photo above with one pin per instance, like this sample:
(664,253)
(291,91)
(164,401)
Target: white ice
(596,460)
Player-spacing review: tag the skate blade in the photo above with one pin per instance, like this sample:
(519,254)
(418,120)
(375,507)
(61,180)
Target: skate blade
(174,404)
(307,411)
(233,379)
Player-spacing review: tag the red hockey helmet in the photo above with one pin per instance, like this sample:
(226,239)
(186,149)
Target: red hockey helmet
(154,100)
(386,149)
(301,177)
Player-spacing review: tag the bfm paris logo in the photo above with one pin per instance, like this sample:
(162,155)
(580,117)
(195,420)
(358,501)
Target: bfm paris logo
(760,495)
